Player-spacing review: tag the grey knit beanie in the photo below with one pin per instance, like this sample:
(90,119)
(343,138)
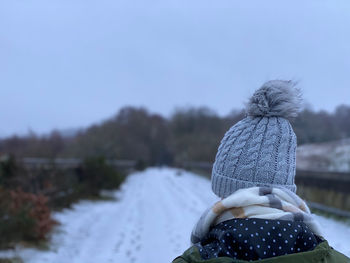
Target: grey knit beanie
(260,149)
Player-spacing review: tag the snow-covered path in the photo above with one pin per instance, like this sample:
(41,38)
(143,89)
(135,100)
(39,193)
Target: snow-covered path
(150,222)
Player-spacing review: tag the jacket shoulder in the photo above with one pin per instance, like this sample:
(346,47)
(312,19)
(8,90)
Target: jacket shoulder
(336,256)
(192,255)
(323,253)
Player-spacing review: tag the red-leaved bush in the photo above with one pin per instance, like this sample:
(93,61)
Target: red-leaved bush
(23,217)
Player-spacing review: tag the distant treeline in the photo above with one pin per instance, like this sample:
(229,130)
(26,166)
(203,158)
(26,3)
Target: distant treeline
(191,134)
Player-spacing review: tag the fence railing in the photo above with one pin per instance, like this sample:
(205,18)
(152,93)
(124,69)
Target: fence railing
(325,191)
(338,181)
(68,163)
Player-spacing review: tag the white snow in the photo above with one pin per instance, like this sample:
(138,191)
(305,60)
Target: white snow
(327,156)
(150,221)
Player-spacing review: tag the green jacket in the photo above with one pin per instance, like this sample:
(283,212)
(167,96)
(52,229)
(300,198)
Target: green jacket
(322,253)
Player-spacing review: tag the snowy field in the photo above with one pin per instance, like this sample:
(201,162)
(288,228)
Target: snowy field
(331,156)
(150,221)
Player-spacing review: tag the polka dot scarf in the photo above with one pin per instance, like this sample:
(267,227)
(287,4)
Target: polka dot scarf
(256,239)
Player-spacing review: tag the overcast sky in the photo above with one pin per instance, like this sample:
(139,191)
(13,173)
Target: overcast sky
(70,63)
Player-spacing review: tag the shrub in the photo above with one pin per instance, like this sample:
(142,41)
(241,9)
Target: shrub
(8,168)
(97,174)
(24,217)
(11,260)
(140,165)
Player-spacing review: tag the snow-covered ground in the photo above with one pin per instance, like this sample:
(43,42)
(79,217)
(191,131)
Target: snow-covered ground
(327,156)
(150,221)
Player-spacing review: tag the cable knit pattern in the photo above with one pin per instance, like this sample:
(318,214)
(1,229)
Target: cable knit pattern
(290,156)
(260,149)
(257,151)
(266,162)
(283,155)
(266,122)
(235,149)
(232,135)
(246,166)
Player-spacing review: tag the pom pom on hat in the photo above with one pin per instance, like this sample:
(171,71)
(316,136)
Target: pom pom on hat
(276,98)
(258,151)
